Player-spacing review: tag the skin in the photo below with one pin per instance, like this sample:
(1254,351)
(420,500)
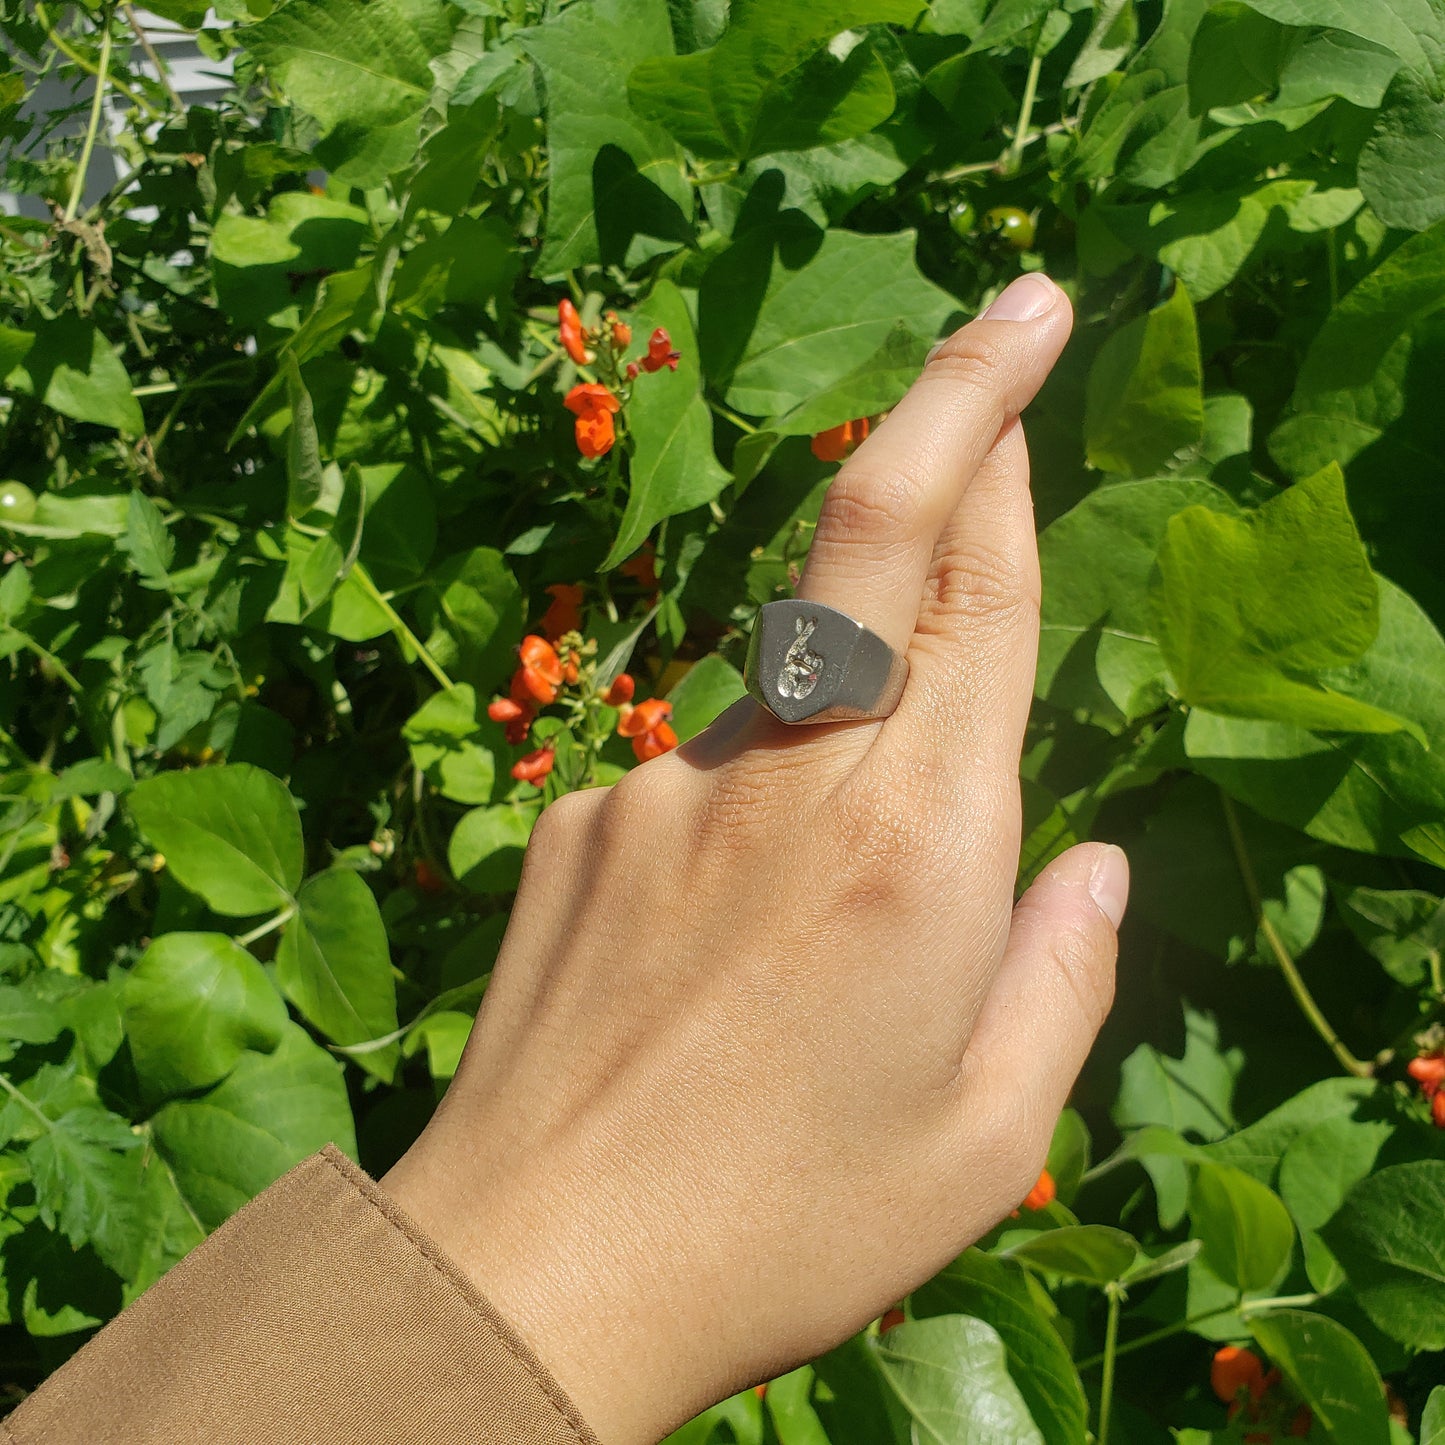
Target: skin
(768,1042)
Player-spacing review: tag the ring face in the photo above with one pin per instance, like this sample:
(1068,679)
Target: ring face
(808,663)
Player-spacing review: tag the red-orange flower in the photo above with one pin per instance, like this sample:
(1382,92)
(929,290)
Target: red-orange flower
(505,710)
(535,766)
(660,352)
(1428,1070)
(621,331)
(564,612)
(1043,1192)
(891,1319)
(648,727)
(642,568)
(516,711)
(839,443)
(1302,1423)
(569,330)
(621,691)
(594,406)
(1437,1110)
(1236,1370)
(540,674)
(428,880)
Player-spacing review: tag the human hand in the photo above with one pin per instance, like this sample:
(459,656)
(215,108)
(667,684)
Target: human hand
(838,1057)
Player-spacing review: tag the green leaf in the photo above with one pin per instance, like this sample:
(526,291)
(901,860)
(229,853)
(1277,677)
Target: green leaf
(1404,928)
(470,263)
(616,190)
(1247,1232)
(1333,1373)
(268,271)
(1096,644)
(194,1003)
(303,449)
(1365,792)
(673,467)
(1402,165)
(951,1377)
(333,963)
(14,344)
(76,371)
(363,72)
(1389,1237)
(1094,1253)
(1236,57)
(876,385)
(1252,609)
(1329,63)
(996,1292)
(231,834)
(764,86)
(443,736)
(485,852)
(782,321)
(1432,1423)
(1145,401)
(1191,1095)
(710,687)
(1259,1148)
(269,1113)
(151,546)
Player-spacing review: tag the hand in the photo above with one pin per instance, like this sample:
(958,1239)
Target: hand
(768,1043)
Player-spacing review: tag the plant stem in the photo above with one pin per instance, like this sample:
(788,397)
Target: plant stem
(162,74)
(399,627)
(280,920)
(734,418)
(76,58)
(97,109)
(1014,156)
(28,1102)
(1111,1354)
(61,671)
(1287,966)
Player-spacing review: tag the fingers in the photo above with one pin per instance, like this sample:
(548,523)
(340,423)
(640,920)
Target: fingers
(886,509)
(1048,1001)
(975,645)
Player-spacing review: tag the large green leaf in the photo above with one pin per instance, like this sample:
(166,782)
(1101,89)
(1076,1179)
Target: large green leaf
(1366,792)
(268,270)
(1097,625)
(75,370)
(781,319)
(765,87)
(271,1111)
(1432,1423)
(1252,609)
(1247,1232)
(194,1003)
(616,190)
(710,686)
(1259,1148)
(1402,165)
(673,467)
(334,964)
(364,72)
(443,734)
(951,1376)
(1389,1237)
(1145,403)
(231,834)
(487,845)
(1333,1373)
(992,1290)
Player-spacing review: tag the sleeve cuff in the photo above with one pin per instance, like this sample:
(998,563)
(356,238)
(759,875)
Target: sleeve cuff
(318,1313)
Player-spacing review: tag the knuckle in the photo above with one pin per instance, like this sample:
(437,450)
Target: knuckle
(869,502)
(974,580)
(974,361)
(563,823)
(883,836)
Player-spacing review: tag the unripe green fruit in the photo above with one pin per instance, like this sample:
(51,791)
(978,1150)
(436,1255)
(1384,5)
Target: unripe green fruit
(962,217)
(1011,225)
(17,503)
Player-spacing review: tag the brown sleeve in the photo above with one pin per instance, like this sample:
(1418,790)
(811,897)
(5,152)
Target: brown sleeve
(318,1314)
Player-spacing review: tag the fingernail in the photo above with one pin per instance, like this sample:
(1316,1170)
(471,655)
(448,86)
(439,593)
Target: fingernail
(1109,883)
(1023,300)
(933,351)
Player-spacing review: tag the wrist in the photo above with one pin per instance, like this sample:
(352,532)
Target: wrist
(575,1276)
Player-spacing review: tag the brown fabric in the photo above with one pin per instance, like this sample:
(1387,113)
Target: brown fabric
(319,1313)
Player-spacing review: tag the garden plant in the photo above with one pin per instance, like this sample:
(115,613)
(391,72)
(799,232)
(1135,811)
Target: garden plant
(409,438)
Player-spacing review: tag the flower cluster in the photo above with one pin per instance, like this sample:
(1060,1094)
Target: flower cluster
(1428,1070)
(1239,1379)
(556,665)
(596,404)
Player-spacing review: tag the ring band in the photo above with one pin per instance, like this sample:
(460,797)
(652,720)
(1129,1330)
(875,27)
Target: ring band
(813,664)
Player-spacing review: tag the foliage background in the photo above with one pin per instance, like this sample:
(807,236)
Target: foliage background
(301,475)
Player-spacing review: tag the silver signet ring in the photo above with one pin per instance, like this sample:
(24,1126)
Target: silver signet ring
(813,664)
